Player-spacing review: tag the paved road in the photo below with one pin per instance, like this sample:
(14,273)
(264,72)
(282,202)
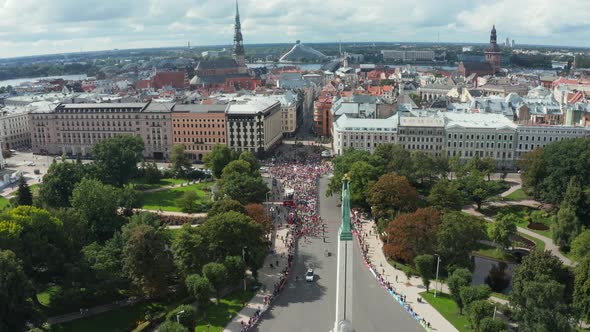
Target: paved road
(312,306)
(309,307)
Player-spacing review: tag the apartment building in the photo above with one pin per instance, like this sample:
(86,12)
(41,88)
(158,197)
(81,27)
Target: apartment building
(73,129)
(15,132)
(422,131)
(199,128)
(363,134)
(537,136)
(254,125)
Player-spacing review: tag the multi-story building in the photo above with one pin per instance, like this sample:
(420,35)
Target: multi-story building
(536,136)
(422,131)
(15,132)
(254,125)
(199,128)
(391,55)
(483,135)
(75,128)
(363,134)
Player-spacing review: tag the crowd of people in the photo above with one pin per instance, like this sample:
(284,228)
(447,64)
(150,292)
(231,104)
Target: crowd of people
(299,182)
(358,221)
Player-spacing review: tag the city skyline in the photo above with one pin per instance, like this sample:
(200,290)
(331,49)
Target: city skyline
(66,26)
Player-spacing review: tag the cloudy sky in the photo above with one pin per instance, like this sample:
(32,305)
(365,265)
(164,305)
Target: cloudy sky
(29,27)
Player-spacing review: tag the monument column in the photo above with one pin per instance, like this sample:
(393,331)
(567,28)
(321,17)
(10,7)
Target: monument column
(343,319)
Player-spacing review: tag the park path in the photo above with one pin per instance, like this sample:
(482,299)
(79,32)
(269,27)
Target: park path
(87,312)
(549,244)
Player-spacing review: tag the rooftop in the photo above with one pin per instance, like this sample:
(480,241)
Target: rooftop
(477,120)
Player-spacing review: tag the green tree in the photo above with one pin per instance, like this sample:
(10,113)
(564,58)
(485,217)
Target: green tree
(456,167)
(200,288)
(539,294)
(229,232)
(390,194)
(38,240)
(106,260)
(396,159)
(128,199)
(171,326)
(533,171)
(236,269)
(151,173)
(477,311)
(242,187)
(489,324)
(24,196)
(425,265)
(581,246)
(445,194)
(238,168)
(116,158)
(218,158)
(216,273)
(188,201)
(97,204)
(581,300)
(58,184)
(226,205)
(475,188)
(485,166)
(190,250)
(424,166)
(180,161)
(342,165)
(458,279)
(15,310)
(252,160)
(567,228)
(185,314)
(470,294)
(362,175)
(503,228)
(458,235)
(146,260)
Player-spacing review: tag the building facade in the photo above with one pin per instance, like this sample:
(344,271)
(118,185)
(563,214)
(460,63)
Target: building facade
(15,130)
(199,128)
(254,126)
(538,136)
(422,131)
(73,129)
(363,134)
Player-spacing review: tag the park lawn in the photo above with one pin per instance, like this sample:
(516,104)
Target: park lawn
(500,296)
(517,195)
(119,320)
(162,183)
(523,223)
(45,296)
(494,253)
(520,211)
(539,245)
(166,199)
(4,203)
(448,309)
(219,315)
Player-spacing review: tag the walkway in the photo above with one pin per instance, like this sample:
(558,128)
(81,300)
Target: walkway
(410,288)
(268,277)
(91,312)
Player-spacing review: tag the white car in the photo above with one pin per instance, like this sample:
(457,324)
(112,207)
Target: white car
(309,275)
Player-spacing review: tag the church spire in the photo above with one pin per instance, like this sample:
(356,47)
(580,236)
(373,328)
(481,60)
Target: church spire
(238,53)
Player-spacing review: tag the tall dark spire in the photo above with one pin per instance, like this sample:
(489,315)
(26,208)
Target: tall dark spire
(493,36)
(238,54)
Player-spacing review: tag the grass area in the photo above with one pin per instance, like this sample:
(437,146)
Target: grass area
(163,182)
(219,315)
(45,296)
(521,212)
(119,320)
(548,233)
(494,253)
(4,203)
(166,199)
(517,195)
(448,308)
(540,245)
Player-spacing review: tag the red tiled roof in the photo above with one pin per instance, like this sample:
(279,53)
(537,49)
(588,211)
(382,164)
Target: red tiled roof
(387,88)
(173,78)
(575,97)
(143,84)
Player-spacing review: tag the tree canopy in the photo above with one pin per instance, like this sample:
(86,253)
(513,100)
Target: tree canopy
(392,193)
(116,158)
(218,158)
(458,235)
(412,234)
(15,309)
(180,161)
(59,182)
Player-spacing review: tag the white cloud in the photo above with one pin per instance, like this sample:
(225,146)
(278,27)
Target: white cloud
(38,27)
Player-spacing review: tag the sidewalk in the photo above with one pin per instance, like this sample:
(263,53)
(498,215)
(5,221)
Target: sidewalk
(268,278)
(410,289)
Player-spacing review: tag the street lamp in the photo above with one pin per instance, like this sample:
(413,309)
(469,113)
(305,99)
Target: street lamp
(244,258)
(178,316)
(437,265)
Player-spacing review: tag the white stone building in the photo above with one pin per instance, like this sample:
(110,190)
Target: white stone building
(15,132)
(362,134)
(485,135)
(536,136)
(422,131)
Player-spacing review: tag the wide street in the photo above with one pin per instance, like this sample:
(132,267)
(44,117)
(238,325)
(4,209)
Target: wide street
(304,306)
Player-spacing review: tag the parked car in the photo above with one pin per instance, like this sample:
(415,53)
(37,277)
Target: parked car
(309,276)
